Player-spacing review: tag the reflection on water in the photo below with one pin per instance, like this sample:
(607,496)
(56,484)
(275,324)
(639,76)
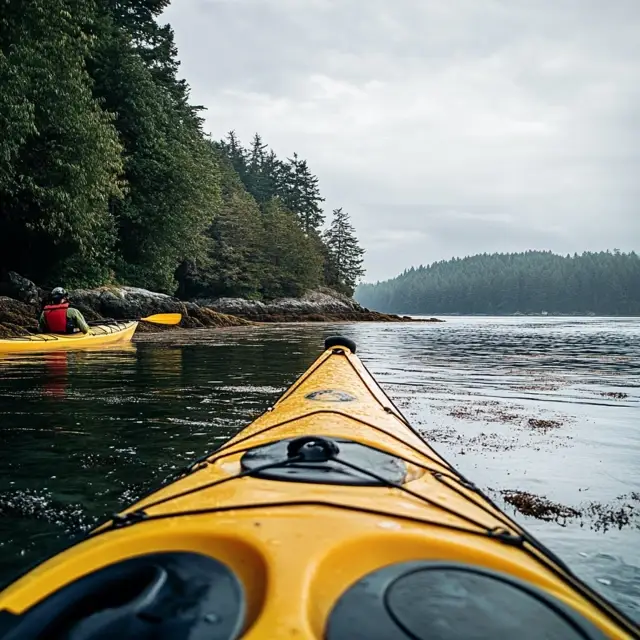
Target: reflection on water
(542,412)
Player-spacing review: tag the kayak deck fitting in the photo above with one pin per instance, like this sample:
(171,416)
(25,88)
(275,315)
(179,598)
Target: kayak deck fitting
(98,336)
(327,517)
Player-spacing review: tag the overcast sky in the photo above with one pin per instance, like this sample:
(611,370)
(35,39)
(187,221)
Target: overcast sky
(444,127)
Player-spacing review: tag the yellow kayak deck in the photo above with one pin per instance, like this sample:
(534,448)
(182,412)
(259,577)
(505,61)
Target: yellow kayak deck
(99,335)
(327,517)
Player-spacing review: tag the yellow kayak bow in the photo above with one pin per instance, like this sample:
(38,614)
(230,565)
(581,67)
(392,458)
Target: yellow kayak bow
(327,517)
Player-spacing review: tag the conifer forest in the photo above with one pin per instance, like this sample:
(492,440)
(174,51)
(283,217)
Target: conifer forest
(107,175)
(599,283)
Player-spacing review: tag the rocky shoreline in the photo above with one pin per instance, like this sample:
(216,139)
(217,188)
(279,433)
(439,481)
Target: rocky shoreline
(21,301)
(320,305)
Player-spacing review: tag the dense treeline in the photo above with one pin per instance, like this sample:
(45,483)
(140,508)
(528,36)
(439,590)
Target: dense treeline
(106,174)
(267,237)
(531,282)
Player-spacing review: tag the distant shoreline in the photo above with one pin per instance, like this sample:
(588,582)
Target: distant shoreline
(524,315)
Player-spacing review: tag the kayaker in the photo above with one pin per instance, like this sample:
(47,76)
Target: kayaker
(59,317)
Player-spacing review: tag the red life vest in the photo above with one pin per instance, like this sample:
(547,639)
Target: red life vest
(55,315)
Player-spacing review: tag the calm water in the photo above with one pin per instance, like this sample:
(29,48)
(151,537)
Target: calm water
(517,404)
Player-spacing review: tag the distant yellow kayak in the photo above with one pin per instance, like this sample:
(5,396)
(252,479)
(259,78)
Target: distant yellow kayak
(100,335)
(327,517)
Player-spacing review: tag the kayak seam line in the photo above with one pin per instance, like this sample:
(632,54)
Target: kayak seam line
(142,517)
(209,485)
(344,415)
(415,494)
(393,404)
(287,461)
(399,413)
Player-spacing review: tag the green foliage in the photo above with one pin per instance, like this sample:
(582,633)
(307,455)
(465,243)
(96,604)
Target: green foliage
(234,263)
(294,255)
(107,176)
(531,282)
(300,193)
(60,158)
(344,257)
(266,177)
(293,262)
(170,170)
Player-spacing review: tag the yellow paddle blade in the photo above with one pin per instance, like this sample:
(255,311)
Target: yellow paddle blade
(164,318)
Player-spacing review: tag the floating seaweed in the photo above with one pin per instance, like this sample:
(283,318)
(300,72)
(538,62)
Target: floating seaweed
(539,507)
(624,511)
(543,425)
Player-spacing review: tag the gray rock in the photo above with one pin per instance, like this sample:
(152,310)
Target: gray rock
(16,318)
(13,285)
(321,302)
(124,302)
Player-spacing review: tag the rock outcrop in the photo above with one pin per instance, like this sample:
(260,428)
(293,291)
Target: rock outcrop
(21,302)
(13,285)
(321,305)
(19,313)
(120,303)
(16,318)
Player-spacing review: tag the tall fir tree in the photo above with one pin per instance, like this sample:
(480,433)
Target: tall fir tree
(343,264)
(237,154)
(301,194)
(257,177)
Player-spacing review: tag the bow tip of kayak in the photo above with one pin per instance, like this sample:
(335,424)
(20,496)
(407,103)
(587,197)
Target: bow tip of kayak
(340,341)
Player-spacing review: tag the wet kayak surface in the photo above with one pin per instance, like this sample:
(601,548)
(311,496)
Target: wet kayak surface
(541,413)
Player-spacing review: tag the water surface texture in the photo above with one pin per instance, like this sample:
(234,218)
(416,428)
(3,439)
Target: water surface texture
(542,413)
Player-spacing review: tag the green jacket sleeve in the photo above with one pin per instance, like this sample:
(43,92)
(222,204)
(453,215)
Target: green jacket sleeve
(78,319)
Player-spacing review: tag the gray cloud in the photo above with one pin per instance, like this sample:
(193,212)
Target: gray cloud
(444,128)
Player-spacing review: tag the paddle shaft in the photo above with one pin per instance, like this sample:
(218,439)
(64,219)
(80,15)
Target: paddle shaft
(157,318)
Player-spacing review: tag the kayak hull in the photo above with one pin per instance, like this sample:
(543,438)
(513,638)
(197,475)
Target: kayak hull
(99,336)
(364,520)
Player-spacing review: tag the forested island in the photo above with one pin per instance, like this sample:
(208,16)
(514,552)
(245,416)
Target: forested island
(531,282)
(108,178)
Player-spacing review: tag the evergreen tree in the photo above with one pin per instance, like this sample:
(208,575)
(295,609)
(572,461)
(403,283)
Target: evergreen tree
(238,156)
(273,177)
(301,194)
(344,257)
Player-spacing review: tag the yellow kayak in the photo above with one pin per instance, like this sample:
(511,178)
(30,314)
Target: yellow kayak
(99,335)
(327,517)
